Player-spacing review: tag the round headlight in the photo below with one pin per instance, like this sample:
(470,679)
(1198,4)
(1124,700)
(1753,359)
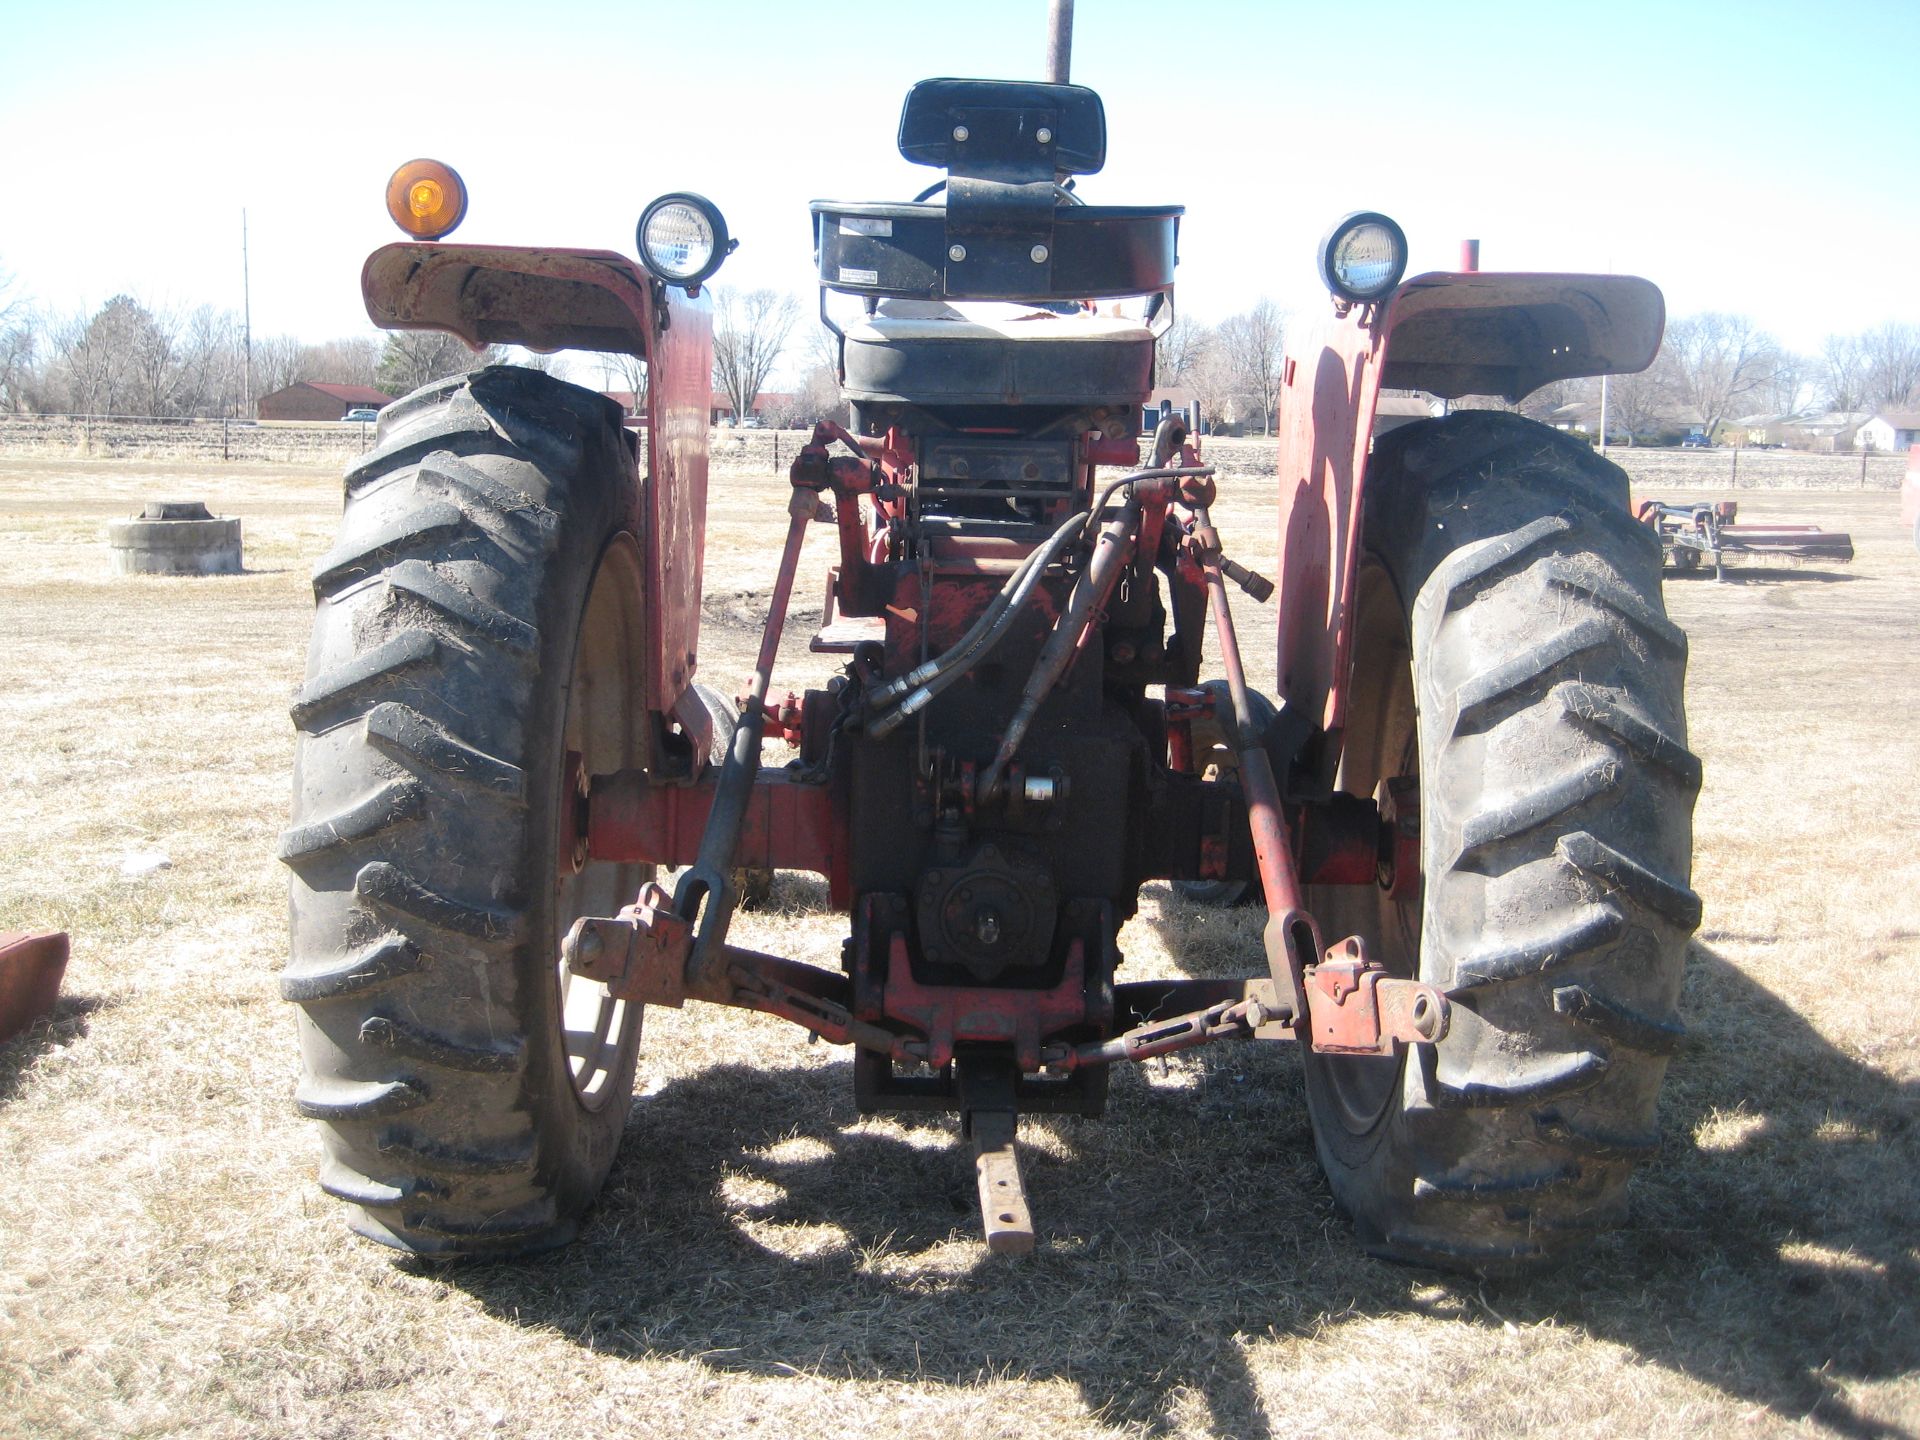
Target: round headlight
(683,239)
(426,199)
(1363,257)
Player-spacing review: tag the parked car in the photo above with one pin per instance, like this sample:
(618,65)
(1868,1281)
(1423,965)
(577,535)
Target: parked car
(1695,442)
(364,413)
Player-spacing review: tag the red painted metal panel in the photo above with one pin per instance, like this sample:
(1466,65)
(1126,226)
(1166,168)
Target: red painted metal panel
(787,826)
(679,382)
(1330,382)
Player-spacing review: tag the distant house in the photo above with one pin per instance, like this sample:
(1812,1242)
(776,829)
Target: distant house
(1826,432)
(1889,431)
(1764,429)
(1170,400)
(312,400)
(1393,410)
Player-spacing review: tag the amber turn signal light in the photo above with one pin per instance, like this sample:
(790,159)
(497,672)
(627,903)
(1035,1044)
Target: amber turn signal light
(426,199)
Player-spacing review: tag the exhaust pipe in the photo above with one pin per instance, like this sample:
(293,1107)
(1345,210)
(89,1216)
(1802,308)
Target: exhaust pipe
(1059,41)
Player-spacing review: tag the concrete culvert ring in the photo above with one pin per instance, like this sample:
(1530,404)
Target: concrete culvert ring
(175,537)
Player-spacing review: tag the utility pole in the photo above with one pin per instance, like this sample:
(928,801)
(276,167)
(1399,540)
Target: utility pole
(246,313)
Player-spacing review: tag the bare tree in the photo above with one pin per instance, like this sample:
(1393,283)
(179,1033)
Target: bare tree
(1843,372)
(354,360)
(1784,390)
(1181,348)
(1254,347)
(276,363)
(787,412)
(154,338)
(208,363)
(1893,365)
(1541,404)
(1637,403)
(626,373)
(413,358)
(1213,382)
(750,331)
(96,356)
(19,346)
(1717,359)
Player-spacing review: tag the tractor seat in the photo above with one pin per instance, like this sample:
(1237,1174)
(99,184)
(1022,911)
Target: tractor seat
(934,355)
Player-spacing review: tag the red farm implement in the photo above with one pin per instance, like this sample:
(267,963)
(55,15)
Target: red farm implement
(1467,807)
(1706,534)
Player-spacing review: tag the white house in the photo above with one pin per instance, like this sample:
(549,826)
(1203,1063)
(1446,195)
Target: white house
(1889,432)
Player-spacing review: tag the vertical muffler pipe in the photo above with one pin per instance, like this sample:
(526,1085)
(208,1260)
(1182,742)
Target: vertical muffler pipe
(1059,41)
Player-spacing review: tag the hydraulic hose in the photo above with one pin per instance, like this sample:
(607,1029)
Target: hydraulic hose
(927,680)
(933,676)
(1011,597)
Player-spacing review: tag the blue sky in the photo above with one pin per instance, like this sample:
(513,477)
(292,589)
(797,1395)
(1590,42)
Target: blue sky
(1755,157)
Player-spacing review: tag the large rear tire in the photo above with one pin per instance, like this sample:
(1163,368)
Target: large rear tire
(480,617)
(1513,654)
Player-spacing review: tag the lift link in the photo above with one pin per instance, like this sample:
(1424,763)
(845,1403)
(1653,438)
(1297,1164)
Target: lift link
(706,895)
(1291,938)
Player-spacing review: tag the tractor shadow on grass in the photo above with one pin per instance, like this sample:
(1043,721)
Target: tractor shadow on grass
(1771,1251)
(755,1225)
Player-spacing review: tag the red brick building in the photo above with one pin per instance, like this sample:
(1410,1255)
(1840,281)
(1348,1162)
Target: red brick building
(311,400)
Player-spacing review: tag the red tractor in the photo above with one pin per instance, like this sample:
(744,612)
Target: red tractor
(1467,808)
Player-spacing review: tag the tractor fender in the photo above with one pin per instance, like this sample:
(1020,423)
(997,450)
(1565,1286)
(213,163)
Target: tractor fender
(1508,334)
(546,299)
(1475,333)
(513,295)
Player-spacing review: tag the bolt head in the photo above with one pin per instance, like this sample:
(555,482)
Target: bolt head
(956,252)
(1043,135)
(960,133)
(1039,254)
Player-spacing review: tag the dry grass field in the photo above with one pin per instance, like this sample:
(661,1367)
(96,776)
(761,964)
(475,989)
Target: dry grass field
(764,1262)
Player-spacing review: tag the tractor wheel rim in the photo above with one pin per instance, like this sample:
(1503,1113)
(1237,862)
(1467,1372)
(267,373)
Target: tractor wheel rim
(604,698)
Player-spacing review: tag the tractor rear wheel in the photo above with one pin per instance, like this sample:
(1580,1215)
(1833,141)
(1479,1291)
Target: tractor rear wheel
(1512,654)
(477,648)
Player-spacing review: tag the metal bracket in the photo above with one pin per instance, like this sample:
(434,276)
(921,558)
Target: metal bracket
(1354,1007)
(639,954)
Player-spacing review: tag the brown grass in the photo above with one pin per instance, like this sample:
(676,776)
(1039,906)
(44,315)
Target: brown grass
(765,1263)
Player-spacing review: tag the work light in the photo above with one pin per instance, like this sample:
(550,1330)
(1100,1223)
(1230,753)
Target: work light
(682,239)
(1363,257)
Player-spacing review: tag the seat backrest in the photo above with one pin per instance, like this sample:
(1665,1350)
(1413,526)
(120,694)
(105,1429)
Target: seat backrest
(993,128)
